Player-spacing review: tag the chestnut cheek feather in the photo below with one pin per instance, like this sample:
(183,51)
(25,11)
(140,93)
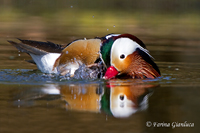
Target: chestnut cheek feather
(139,68)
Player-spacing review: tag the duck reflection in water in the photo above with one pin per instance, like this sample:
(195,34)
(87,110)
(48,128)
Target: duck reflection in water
(117,98)
(82,97)
(125,100)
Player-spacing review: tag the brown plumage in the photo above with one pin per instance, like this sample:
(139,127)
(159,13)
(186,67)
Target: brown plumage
(77,53)
(139,68)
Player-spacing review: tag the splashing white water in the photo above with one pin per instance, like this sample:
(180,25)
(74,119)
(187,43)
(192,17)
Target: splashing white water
(84,72)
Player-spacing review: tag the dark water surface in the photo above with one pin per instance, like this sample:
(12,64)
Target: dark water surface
(31,101)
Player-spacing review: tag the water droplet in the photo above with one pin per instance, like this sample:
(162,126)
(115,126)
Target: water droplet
(71,6)
(177,69)
(19,55)
(114,26)
(93,16)
(66,52)
(106,118)
(107,29)
(12,57)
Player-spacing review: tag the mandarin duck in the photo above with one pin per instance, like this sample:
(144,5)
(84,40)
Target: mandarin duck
(60,59)
(125,55)
(122,55)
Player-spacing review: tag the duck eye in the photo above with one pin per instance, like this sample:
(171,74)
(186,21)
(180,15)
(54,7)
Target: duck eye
(121,97)
(122,56)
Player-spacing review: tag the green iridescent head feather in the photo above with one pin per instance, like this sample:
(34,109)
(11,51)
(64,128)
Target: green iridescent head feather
(105,50)
(105,102)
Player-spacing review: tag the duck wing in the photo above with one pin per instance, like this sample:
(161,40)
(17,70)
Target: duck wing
(37,47)
(44,54)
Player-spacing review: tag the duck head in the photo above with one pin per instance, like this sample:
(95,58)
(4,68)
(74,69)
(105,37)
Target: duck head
(125,55)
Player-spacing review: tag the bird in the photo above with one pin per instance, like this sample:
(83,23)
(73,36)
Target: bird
(60,59)
(126,56)
(119,55)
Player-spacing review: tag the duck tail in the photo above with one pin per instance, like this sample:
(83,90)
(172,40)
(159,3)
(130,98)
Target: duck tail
(37,47)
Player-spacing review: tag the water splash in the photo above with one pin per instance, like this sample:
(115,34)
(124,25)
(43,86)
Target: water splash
(84,72)
(24,76)
(35,76)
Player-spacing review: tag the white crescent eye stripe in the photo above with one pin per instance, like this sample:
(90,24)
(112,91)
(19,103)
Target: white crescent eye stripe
(111,35)
(125,46)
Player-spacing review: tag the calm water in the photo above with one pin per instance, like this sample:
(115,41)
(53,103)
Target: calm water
(31,101)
